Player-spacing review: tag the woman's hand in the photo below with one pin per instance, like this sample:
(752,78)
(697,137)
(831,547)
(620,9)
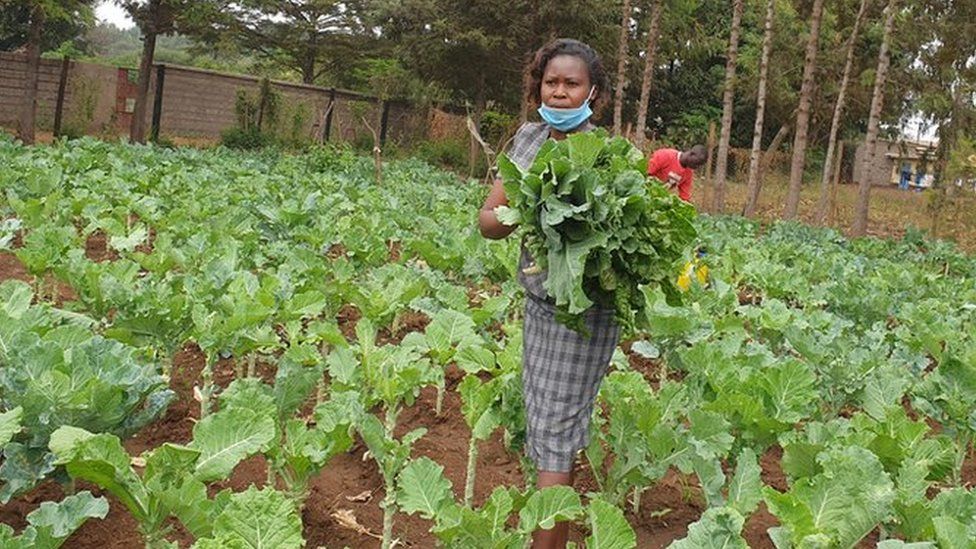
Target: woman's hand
(487,220)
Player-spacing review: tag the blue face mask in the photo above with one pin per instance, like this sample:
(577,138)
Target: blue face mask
(565,120)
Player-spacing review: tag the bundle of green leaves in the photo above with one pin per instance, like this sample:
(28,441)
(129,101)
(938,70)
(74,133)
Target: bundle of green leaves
(597,226)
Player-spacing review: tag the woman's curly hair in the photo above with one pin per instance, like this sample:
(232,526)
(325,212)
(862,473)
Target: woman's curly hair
(567,46)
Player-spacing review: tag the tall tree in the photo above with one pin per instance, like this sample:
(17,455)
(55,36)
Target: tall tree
(310,37)
(653,31)
(40,14)
(943,75)
(618,98)
(459,45)
(860,227)
(752,187)
(728,96)
(803,112)
(28,109)
(157,18)
(15,19)
(153,17)
(828,168)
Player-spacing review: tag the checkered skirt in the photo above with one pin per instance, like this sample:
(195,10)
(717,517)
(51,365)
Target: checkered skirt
(561,369)
(561,374)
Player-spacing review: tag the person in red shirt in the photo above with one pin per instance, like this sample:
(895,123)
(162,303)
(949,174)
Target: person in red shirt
(675,168)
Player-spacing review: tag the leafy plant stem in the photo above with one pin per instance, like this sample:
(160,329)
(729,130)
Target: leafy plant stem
(440,398)
(205,392)
(389,479)
(273,471)
(472,464)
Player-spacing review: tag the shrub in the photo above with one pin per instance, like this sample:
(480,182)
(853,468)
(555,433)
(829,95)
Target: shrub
(246,139)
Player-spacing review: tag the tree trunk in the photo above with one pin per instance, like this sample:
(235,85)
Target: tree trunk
(308,71)
(803,112)
(653,31)
(618,99)
(823,203)
(137,128)
(834,182)
(728,95)
(752,200)
(778,139)
(860,227)
(28,109)
(756,154)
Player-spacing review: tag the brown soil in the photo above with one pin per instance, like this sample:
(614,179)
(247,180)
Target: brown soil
(772,471)
(347,318)
(12,268)
(96,248)
(651,369)
(336,251)
(395,248)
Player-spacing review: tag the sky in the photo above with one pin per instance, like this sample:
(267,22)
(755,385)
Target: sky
(110,12)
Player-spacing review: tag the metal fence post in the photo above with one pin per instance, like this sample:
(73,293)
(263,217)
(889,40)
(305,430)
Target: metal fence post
(328,115)
(157,113)
(59,105)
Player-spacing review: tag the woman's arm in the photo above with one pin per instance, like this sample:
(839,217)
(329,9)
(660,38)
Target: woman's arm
(487,220)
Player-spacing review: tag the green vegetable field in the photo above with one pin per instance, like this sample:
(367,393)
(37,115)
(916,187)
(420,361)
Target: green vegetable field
(211,348)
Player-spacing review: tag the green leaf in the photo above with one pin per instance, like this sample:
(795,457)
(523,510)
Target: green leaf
(54,522)
(841,504)
(475,358)
(168,464)
(15,298)
(188,502)
(745,491)
(791,390)
(131,241)
(101,459)
(608,527)
(952,534)
(226,438)
(249,393)
(508,216)
(548,506)
(447,329)
(800,459)
(23,467)
(259,519)
(585,148)
(711,477)
(718,528)
(899,544)
(423,489)
(565,275)
(478,405)
(294,384)
(10,424)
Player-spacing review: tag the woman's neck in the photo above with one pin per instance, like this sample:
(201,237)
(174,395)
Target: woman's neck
(556,134)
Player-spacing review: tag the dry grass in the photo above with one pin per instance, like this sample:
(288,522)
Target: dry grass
(892,210)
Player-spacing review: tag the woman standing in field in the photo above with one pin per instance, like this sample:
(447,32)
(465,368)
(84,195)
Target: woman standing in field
(562,370)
